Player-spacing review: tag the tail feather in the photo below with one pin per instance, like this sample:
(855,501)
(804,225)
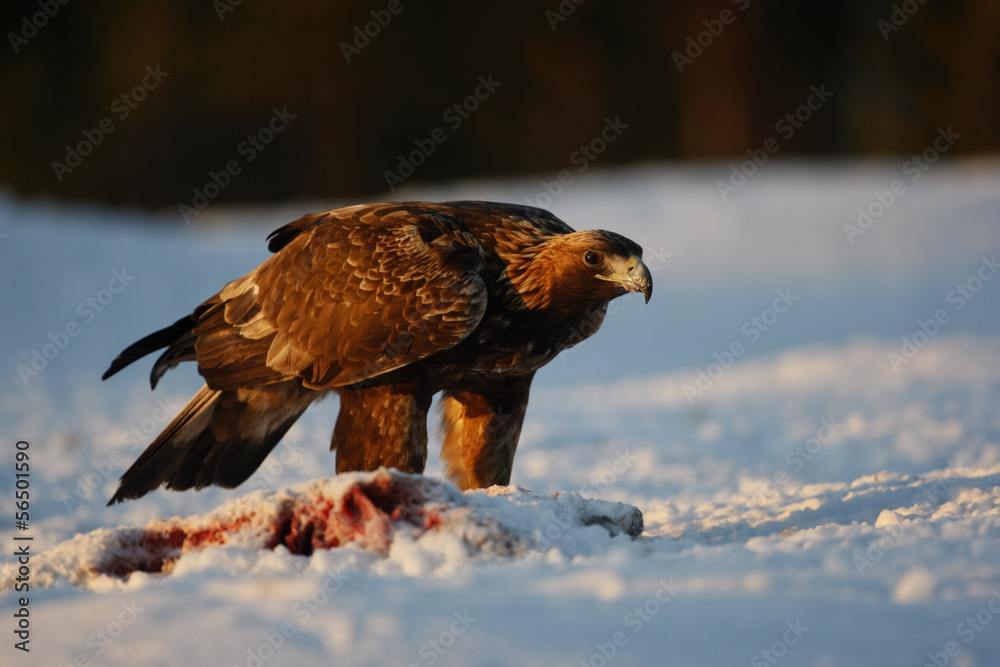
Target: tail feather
(219,437)
(168,336)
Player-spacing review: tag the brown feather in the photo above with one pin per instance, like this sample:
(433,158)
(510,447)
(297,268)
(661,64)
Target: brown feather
(481,432)
(387,304)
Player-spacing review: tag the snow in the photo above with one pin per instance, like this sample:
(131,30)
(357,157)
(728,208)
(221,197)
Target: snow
(422,526)
(807,424)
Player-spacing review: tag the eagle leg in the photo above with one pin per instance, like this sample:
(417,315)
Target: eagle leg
(481,430)
(381,426)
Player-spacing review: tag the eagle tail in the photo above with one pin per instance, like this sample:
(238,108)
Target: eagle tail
(220,437)
(178,340)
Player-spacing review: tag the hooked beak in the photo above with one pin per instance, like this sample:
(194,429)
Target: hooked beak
(635,277)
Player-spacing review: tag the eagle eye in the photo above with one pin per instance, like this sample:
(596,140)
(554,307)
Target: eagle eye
(593,258)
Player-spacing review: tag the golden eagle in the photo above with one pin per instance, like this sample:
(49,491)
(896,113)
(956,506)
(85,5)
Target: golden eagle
(386,305)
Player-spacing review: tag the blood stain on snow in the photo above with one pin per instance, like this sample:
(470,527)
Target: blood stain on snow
(365,513)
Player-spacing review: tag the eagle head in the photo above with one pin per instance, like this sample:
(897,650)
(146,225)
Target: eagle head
(617,261)
(583,269)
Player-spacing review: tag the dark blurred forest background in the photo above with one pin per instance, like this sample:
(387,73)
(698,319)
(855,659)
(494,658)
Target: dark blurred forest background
(359,83)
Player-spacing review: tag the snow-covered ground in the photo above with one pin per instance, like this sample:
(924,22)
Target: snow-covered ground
(816,490)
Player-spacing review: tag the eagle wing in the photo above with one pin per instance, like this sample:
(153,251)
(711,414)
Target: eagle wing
(349,295)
